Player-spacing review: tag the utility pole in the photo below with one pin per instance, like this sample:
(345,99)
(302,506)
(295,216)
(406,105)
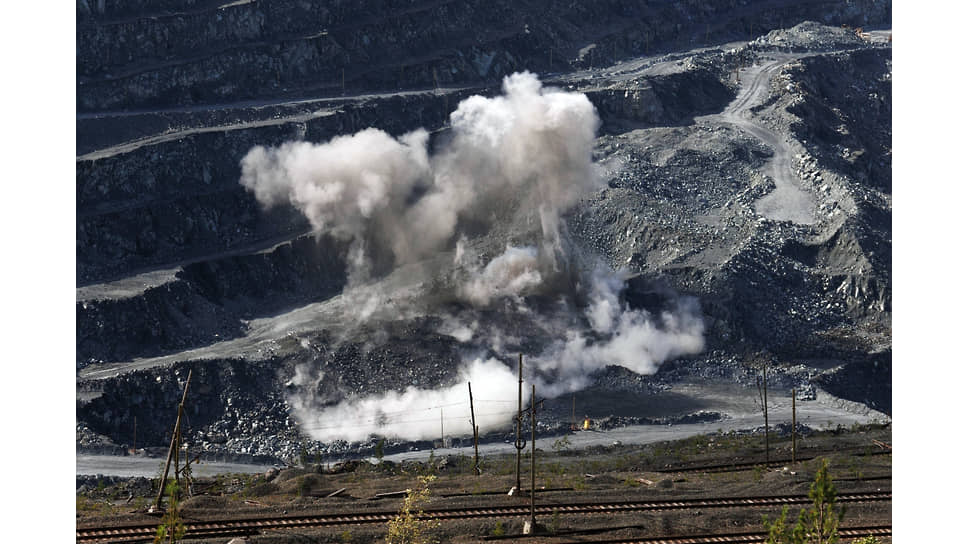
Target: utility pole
(794,433)
(761,390)
(186,473)
(518,445)
(172,449)
(177,444)
(441,427)
(477,468)
(766,416)
(534,420)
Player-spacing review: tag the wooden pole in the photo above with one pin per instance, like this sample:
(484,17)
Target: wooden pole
(171,448)
(766,416)
(474,429)
(517,443)
(164,478)
(534,420)
(794,395)
(186,472)
(177,444)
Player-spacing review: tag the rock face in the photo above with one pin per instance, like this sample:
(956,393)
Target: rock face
(207,301)
(164,54)
(169,199)
(179,267)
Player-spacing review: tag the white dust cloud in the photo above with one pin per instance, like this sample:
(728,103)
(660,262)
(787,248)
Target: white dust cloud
(528,147)
(510,163)
(418,413)
(626,337)
(514,272)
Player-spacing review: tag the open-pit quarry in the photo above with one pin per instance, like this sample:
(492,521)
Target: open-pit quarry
(336,216)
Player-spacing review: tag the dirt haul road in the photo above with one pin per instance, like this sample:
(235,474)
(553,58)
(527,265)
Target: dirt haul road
(789,200)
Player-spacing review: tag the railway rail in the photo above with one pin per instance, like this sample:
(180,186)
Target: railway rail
(240,527)
(736,467)
(739,538)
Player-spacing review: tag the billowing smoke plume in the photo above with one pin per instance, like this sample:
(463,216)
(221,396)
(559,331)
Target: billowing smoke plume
(508,170)
(630,338)
(528,148)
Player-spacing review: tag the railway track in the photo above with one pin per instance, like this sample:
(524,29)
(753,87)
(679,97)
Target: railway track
(736,467)
(739,538)
(239,527)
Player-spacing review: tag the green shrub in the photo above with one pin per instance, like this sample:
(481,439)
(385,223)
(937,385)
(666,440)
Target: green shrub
(819,524)
(171,529)
(407,527)
(555,521)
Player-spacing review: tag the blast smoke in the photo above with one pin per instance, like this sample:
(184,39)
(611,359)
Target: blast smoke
(511,166)
(418,413)
(625,337)
(512,273)
(530,147)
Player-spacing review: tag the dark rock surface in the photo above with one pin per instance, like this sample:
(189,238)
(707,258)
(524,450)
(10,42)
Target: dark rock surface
(177,54)
(174,255)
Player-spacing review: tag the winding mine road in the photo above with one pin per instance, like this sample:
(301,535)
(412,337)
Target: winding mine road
(321,107)
(789,200)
